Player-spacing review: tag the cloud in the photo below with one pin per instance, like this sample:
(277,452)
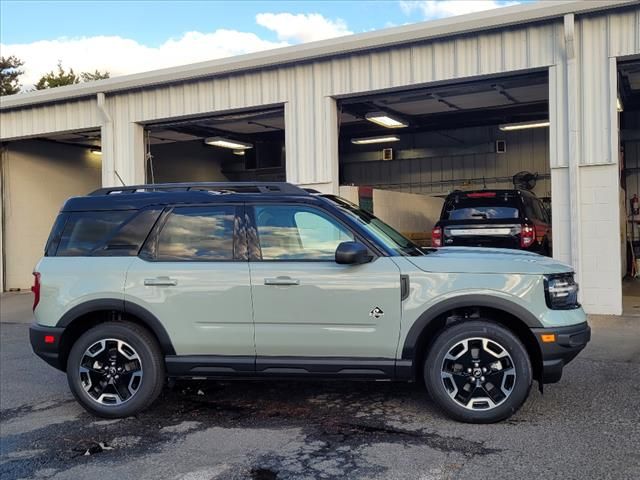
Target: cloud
(300,28)
(432,9)
(122,56)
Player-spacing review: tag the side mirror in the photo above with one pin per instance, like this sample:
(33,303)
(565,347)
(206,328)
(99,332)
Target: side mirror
(352,253)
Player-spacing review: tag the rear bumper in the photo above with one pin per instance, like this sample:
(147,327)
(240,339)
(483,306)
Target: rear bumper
(48,351)
(555,355)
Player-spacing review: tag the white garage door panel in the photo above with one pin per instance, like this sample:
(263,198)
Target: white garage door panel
(37,178)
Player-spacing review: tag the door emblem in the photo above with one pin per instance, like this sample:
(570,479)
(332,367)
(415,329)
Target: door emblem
(376,312)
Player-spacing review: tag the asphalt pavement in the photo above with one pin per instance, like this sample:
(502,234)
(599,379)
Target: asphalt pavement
(587,426)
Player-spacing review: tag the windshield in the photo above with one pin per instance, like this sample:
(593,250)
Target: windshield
(376,227)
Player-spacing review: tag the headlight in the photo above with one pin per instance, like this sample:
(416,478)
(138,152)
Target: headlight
(561,291)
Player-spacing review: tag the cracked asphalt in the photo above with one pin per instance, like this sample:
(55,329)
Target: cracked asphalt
(587,426)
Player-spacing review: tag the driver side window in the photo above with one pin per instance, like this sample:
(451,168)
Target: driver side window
(298,232)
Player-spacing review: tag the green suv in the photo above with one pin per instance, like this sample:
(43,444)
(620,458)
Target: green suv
(267,280)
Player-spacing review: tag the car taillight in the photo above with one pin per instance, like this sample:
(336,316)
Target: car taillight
(436,237)
(36,289)
(527,236)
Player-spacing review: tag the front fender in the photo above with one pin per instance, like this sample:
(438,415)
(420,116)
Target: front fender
(461,301)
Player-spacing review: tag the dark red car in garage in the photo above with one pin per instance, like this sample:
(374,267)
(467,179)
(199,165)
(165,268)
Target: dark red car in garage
(494,218)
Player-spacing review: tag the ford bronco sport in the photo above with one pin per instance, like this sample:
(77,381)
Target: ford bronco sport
(264,280)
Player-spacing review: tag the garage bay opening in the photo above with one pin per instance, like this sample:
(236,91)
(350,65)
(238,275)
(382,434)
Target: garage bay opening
(486,142)
(38,175)
(237,146)
(628,107)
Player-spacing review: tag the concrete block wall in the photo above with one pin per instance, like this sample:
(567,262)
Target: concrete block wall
(600,268)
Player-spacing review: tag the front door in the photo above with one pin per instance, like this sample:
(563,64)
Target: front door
(193,275)
(307,305)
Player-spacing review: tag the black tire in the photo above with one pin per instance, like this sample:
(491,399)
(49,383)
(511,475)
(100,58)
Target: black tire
(150,357)
(439,388)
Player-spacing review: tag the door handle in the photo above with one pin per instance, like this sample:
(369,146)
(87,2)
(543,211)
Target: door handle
(160,282)
(281,281)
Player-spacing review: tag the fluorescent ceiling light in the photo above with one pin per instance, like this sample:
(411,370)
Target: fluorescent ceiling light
(238,152)
(619,105)
(385,120)
(524,125)
(96,150)
(227,143)
(367,140)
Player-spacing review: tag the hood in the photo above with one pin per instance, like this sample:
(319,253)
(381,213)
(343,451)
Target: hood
(487,260)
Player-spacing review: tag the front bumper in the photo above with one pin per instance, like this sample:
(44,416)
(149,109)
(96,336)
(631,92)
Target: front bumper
(49,350)
(569,341)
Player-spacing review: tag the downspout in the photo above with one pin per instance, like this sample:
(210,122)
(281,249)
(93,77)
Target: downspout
(573,122)
(108,148)
(3,205)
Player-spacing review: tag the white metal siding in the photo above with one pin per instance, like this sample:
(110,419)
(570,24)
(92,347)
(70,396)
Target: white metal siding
(308,88)
(57,117)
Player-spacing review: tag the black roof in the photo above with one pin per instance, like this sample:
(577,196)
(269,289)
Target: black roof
(135,197)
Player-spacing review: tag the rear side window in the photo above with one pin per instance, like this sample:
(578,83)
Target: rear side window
(197,234)
(85,232)
(462,207)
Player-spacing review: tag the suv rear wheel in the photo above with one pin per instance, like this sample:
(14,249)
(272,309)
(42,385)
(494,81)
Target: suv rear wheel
(115,369)
(478,372)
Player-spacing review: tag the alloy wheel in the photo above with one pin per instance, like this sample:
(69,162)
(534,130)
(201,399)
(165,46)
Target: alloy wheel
(478,373)
(110,371)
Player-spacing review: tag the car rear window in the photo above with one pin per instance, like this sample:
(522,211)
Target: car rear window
(85,232)
(464,207)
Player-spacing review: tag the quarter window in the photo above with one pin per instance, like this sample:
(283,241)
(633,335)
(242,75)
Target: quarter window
(85,232)
(197,234)
(296,232)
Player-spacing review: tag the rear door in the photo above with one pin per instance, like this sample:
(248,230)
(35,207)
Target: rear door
(193,275)
(305,304)
(482,219)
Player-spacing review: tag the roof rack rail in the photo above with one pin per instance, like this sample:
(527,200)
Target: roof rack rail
(221,187)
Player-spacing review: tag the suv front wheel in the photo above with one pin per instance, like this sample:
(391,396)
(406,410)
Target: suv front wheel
(478,372)
(115,369)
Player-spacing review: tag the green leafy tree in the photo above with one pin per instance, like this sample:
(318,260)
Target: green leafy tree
(57,79)
(91,76)
(9,73)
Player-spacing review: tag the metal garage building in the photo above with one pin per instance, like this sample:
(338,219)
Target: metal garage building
(300,106)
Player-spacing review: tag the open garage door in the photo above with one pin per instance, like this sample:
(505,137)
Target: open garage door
(403,152)
(628,106)
(238,146)
(38,175)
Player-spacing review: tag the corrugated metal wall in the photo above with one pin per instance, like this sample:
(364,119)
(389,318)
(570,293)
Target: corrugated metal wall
(307,89)
(58,117)
(437,163)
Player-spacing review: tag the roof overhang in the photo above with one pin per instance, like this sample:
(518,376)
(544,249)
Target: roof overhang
(390,37)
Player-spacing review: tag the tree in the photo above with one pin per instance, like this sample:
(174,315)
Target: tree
(57,79)
(9,73)
(91,76)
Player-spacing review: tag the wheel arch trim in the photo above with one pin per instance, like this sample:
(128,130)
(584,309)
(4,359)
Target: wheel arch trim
(470,300)
(148,319)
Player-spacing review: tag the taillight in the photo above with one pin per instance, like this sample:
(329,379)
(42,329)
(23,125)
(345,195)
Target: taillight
(436,237)
(527,236)
(36,289)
